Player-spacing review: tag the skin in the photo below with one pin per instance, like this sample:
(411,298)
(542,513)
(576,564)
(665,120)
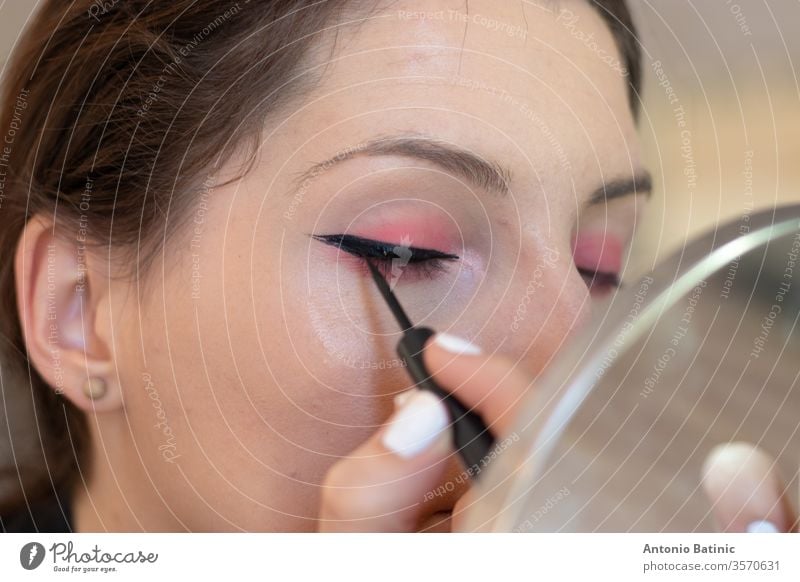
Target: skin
(253,397)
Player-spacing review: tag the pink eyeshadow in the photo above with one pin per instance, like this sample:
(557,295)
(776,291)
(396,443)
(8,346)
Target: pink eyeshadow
(598,252)
(427,233)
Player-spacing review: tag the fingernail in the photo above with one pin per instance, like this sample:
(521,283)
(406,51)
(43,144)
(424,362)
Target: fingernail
(401,397)
(456,345)
(416,425)
(761,526)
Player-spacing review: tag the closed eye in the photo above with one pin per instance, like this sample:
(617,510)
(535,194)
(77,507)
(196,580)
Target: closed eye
(390,256)
(598,281)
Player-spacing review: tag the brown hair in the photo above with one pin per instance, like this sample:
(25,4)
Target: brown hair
(113,111)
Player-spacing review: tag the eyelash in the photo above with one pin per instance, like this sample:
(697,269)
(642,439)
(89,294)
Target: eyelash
(423,262)
(599,280)
(428,262)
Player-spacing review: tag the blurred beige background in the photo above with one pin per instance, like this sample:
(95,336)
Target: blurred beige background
(13,16)
(732,66)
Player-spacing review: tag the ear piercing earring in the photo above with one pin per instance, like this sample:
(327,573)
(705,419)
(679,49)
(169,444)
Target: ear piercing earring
(94,388)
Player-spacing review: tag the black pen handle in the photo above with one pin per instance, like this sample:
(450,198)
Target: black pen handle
(471,438)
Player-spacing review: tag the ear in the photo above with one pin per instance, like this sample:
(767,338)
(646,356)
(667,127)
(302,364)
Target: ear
(62,298)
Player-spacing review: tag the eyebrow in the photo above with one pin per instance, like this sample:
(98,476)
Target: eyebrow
(487,175)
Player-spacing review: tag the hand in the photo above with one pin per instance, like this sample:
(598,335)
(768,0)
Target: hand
(747,491)
(382,485)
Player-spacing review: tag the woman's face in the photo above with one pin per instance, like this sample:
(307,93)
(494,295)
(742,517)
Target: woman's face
(476,146)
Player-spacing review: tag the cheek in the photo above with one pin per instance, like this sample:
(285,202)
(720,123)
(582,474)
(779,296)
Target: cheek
(332,382)
(331,352)
(349,336)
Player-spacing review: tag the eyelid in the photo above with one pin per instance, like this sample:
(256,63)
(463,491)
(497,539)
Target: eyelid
(365,247)
(598,251)
(416,263)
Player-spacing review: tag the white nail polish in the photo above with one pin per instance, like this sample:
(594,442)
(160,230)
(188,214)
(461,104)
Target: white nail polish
(401,397)
(761,526)
(416,425)
(456,345)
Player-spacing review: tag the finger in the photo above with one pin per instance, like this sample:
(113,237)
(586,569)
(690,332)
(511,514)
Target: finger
(491,385)
(746,490)
(381,485)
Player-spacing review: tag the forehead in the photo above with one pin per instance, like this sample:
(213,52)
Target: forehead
(545,48)
(541,83)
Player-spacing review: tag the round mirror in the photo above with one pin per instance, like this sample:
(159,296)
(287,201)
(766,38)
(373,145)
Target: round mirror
(703,351)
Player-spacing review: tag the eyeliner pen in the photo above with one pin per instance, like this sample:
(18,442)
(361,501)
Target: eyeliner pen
(471,438)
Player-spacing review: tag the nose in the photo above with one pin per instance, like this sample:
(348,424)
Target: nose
(544,303)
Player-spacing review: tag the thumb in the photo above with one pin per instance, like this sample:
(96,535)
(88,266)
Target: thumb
(490,385)
(747,493)
(381,485)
